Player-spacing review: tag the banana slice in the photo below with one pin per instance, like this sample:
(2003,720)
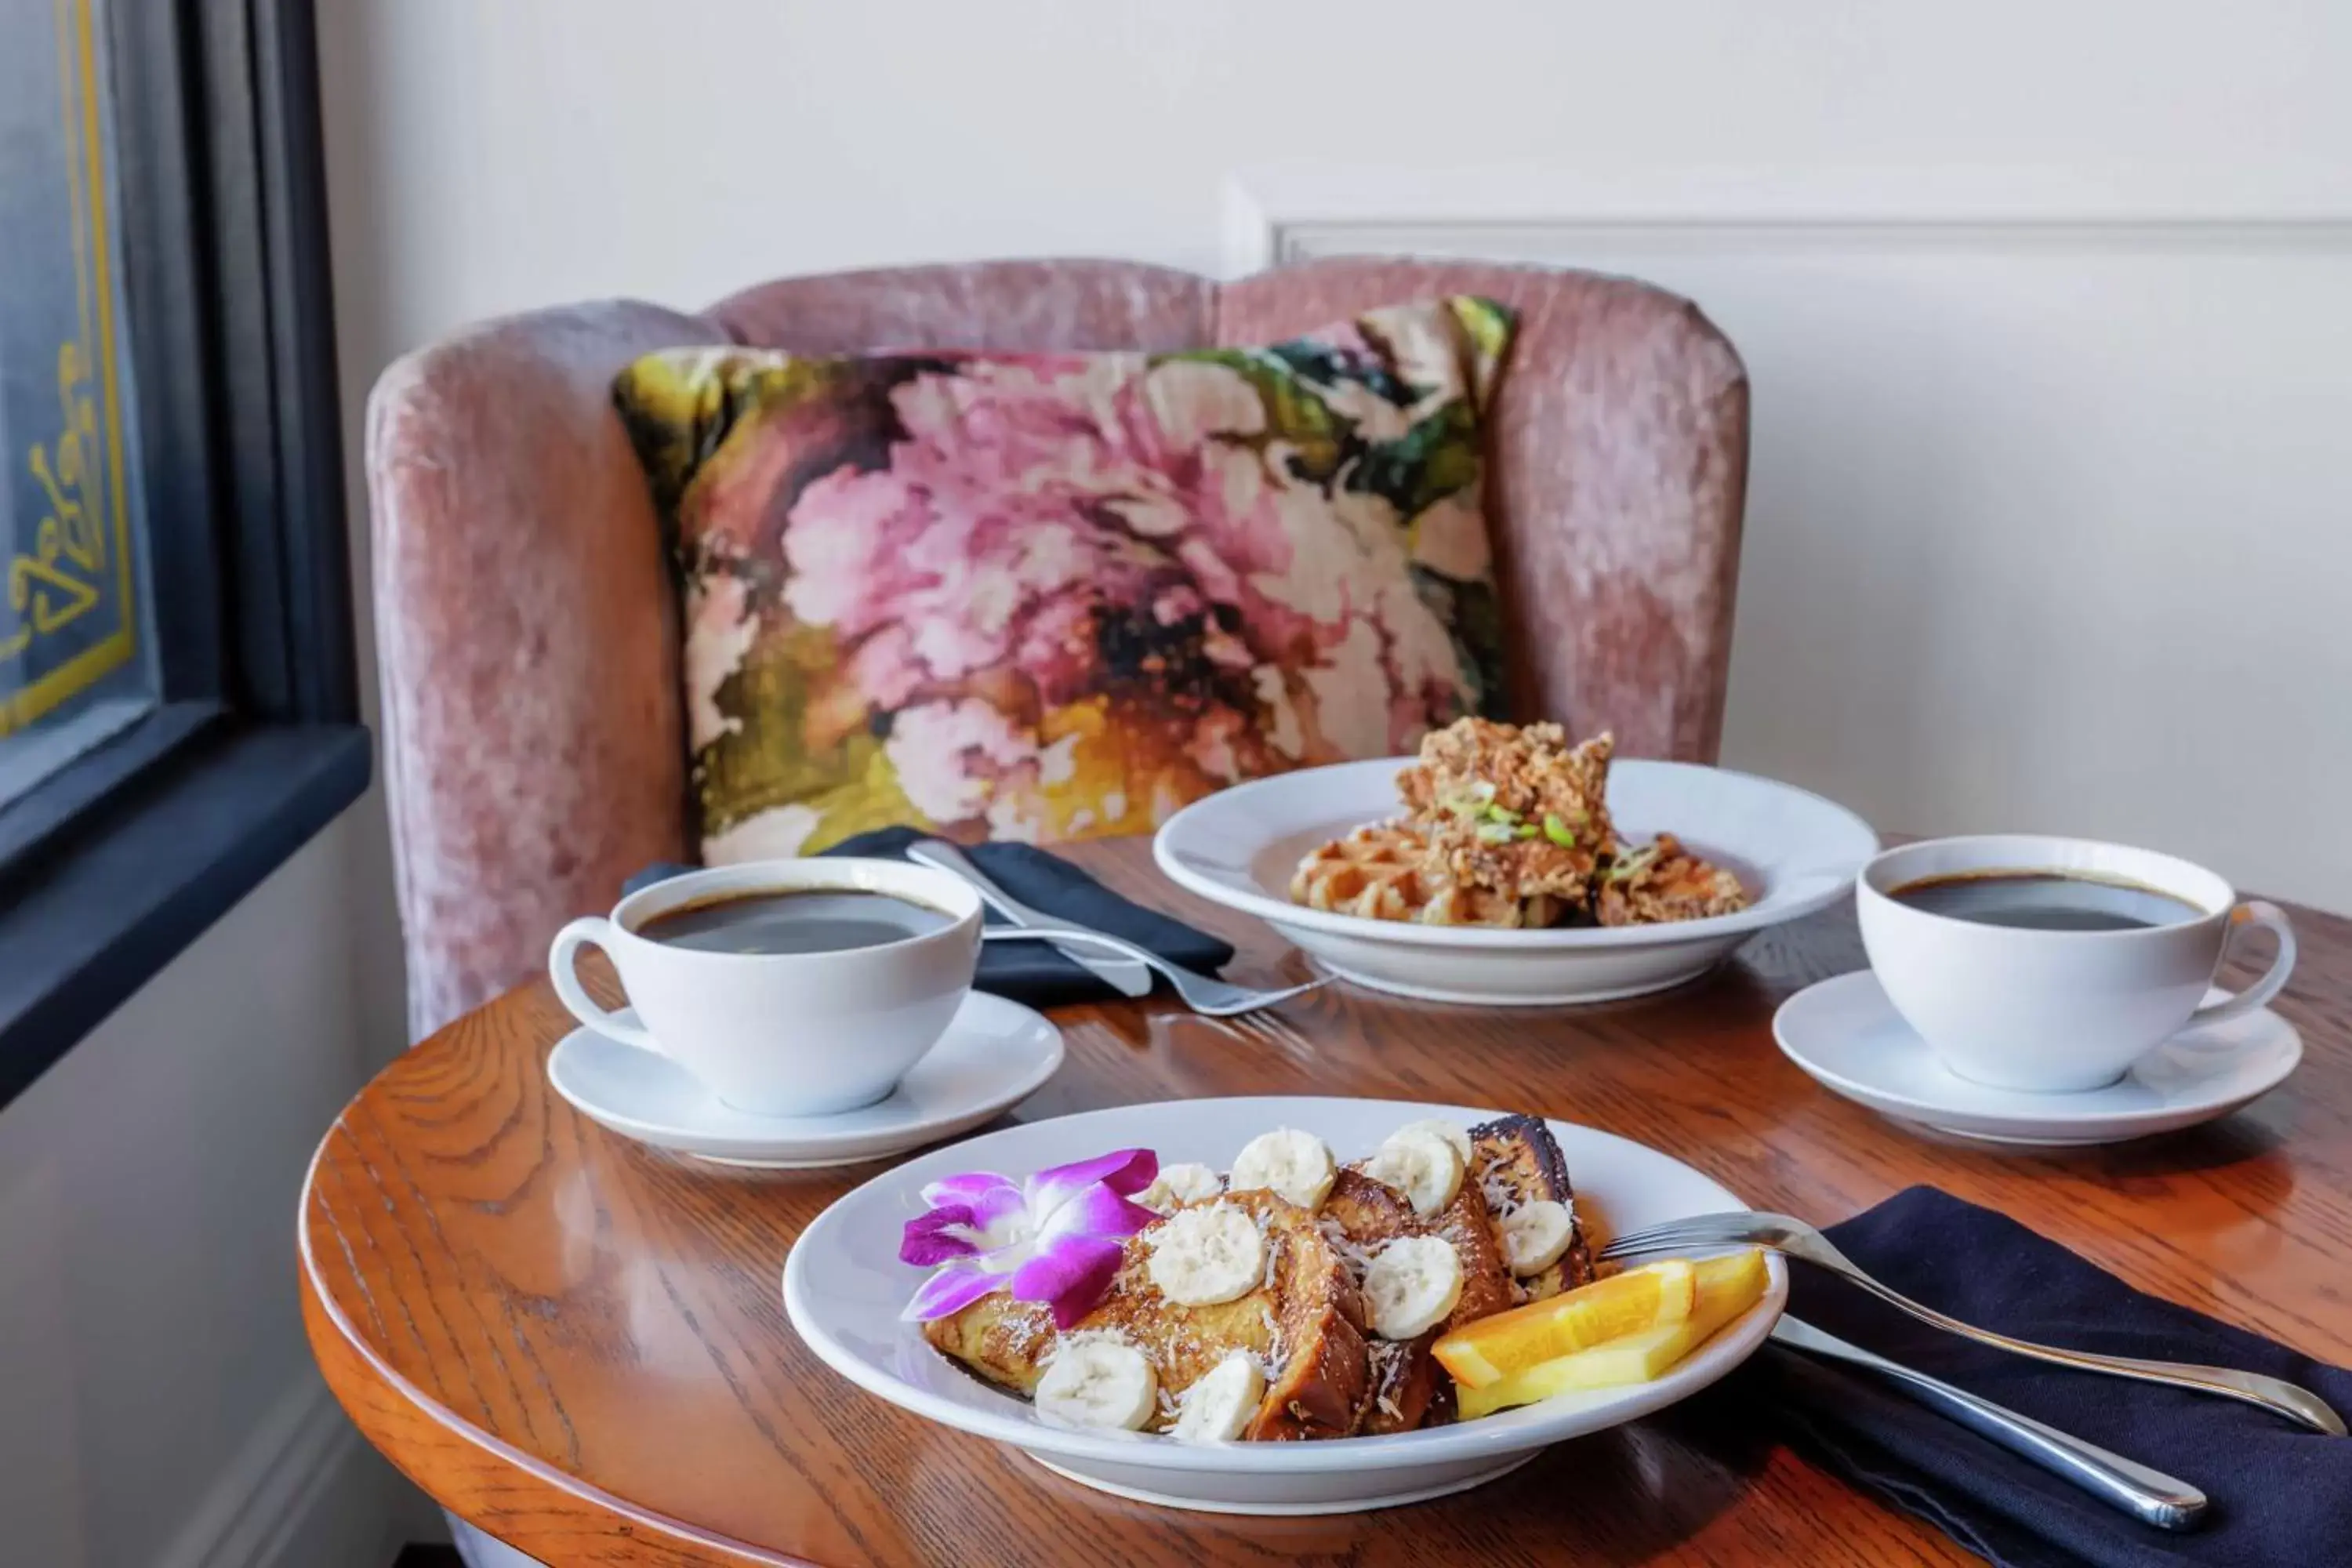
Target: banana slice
(1292,1165)
(1411,1285)
(1180,1183)
(1220,1403)
(1422,1166)
(1453,1133)
(1535,1235)
(1201,1256)
(1097,1382)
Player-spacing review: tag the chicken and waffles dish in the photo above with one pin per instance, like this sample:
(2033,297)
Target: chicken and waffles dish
(1509,825)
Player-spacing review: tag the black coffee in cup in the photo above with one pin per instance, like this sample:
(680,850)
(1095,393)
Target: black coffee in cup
(2045,900)
(792,920)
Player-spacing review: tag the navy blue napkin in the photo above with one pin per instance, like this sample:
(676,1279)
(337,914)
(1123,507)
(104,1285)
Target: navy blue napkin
(1032,972)
(2281,1494)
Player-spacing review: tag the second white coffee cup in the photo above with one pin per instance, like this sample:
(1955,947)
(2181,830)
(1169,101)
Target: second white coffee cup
(2056,1011)
(783,1034)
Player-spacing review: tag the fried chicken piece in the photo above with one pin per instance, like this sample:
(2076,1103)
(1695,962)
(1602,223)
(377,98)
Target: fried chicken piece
(1514,809)
(1663,881)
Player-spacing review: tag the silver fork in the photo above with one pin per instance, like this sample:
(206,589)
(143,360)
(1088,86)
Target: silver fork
(1795,1239)
(1123,975)
(1209,997)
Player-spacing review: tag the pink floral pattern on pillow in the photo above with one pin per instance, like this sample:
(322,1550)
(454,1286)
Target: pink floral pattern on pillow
(1048,596)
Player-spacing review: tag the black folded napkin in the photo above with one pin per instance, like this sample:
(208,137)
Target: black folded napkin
(2281,1494)
(1032,972)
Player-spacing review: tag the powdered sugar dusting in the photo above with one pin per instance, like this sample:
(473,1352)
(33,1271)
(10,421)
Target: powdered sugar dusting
(1086,1336)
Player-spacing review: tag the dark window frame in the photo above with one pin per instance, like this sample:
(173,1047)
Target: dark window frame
(114,864)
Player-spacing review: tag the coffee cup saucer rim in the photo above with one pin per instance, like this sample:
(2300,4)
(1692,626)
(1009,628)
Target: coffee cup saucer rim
(994,1054)
(1845,1034)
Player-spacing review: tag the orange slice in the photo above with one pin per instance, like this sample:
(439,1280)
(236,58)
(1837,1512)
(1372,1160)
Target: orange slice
(1724,1288)
(1491,1348)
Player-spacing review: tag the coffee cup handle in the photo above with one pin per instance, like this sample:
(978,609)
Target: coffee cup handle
(562,970)
(2254,912)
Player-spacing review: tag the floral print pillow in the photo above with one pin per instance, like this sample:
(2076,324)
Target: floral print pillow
(1050,596)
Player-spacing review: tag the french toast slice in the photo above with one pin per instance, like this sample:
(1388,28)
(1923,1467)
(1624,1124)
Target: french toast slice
(1405,1388)
(1304,1326)
(1514,1160)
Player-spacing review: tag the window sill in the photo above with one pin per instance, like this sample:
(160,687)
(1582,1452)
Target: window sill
(99,917)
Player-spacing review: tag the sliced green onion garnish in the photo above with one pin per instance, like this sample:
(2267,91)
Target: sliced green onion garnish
(1557,831)
(1632,864)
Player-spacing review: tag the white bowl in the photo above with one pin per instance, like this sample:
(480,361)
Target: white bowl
(844,1288)
(1796,852)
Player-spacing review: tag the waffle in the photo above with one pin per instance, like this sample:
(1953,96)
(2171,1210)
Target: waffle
(1388,872)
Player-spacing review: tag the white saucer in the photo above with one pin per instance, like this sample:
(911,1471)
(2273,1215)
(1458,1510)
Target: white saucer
(994,1054)
(1847,1035)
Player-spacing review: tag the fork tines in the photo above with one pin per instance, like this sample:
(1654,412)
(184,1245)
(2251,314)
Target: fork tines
(1736,1228)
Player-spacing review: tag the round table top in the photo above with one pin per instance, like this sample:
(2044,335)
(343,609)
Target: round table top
(580,1344)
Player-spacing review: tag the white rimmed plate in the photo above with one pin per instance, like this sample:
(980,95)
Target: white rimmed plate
(1796,852)
(845,1287)
(1848,1038)
(994,1054)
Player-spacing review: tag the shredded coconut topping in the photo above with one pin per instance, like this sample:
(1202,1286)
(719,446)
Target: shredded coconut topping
(1269,1365)
(1502,1201)
(1354,1254)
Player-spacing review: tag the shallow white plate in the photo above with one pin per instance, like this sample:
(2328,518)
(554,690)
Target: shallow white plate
(1848,1036)
(845,1287)
(1796,852)
(994,1054)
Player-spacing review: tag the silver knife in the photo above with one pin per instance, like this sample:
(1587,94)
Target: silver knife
(2147,1495)
(1125,976)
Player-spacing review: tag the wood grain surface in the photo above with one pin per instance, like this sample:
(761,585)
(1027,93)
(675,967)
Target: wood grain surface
(580,1344)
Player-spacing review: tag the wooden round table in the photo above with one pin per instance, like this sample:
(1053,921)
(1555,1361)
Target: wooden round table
(580,1344)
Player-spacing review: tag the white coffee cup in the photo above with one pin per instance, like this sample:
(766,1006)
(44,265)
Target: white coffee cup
(2056,1011)
(783,1034)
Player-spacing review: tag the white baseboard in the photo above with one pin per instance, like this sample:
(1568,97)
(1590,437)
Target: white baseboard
(305,1490)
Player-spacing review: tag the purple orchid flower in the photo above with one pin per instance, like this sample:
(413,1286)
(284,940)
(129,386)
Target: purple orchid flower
(1053,1238)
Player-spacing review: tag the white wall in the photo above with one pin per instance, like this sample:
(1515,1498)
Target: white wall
(2043,657)
(2045,517)
(158,1404)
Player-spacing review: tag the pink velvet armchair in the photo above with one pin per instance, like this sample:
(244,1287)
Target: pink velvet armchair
(533,751)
